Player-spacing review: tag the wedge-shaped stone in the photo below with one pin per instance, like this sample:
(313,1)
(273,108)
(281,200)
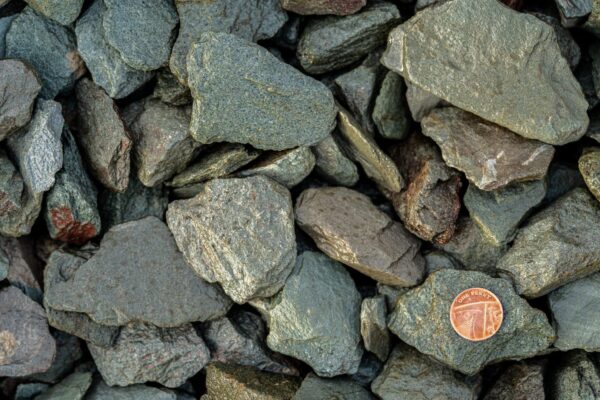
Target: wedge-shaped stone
(333,165)
(589,166)
(319,7)
(288,167)
(314,387)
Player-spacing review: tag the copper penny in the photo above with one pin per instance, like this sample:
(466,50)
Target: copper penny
(476,314)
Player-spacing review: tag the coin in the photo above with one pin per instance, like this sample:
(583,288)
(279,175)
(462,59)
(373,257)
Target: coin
(476,314)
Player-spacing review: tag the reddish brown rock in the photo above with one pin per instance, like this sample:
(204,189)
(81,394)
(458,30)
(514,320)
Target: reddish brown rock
(321,7)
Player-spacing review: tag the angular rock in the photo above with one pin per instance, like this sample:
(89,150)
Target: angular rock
(169,90)
(68,352)
(246,95)
(144,353)
(102,136)
(101,391)
(410,374)
(332,164)
(592,24)
(72,387)
(370,366)
(524,332)
(594,128)
(390,112)
(314,387)
(62,11)
(28,391)
(142,31)
(585,77)
(142,257)
(568,46)
(37,149)
(589,166)
(71,209)
(26,346)
(4,25)
(594,53)
(288,167)
(576,377)
(107,67)
(253,21)
(19,87)
(49,48)
(11,186)
(556,247)
(239,233)
(24,269)
(232,382)
(533,93)
(332,43)
(347,227)
(519,381)
(573,12)
(315,318)
(373,326)
(437,260)
(323,7)
(365,151)
(19,222)
(420,102)
(498,213)
(490,156)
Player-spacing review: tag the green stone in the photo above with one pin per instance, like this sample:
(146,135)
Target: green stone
(519,381)
(390,112)
(62,11)
(313,388)
(575,378)
(73,387)
(589,166)
(288,167)
(333,165)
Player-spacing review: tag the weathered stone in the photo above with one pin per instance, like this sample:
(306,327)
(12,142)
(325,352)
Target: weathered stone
(332,43)
(390,112)
(107,67)
(143,258)
(11,186)
(19,87)
(232,382)
(592,24)
(594,128)
(568,46)
(410,374)
(217,232)
(594,53)
(71,209)
(490,156)
(144,353)
(101,391)
(103,136)
(573,12)
(28,391)
(332,164)
(420,102)
(49,48)
(323,7)
(561,179)
(26,346)
(314,387)
(142,31)
(519,381)
(370,366)
(585,77)
(437,260)
(498,213)
(4,25)
(364,150)
(430,203)
(347,227)
(575,378)
(24,268)
(373,326)
(532,92)
(37,149)
(72,387)
(169,90)
(19,222)
(557,246)
(589,166)
(288,167)
(62,11)
(253,21)
(246,95)
(68,352)
(524,332)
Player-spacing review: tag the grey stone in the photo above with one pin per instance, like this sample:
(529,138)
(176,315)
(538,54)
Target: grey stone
(390,112)
(49,48)
(594,128)
(72,387)
(568,46)
(288,167)
(410,374)
(490,156)
(3,265)
(4,25)
(592,24)
(169,90)
(144,353)
(23,266)
(322,7)
(575,378)
(314,387)
(519,381)
(332,43)
(254,21)
(315,318)
(347,227)
(524,332)
(101,391)
(26,346)
(20,221)
(62,11)
(11,186)
(370,366)
(499,212)
(533,92)
(373,326)
(37,148)
(557,246)
(68,352)
(561,179)
(594,53)
(142,257)
(19,87)
(573,12)
(239,233)
(109,71)
(589,166)
(585,77)
(27,391)
(332,164)
(437,260)
(103,136)
(247,95)
(420,102)
(142,31)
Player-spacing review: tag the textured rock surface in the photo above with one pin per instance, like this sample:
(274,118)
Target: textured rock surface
(102,136)
(26,346)
(593,22)
(490,156)
(589,166)
(576,377)
(573,12)
(420,102)
(72,387)
(390,112)
(557,246)
(332,43)
(247,95)
(314,387)
(49,48)
(332,164)
(346,226)
(169,90)
(68,352)
(239,233)
(288,167)
(252,21)
(62,11)
(28,391)
(519,381)
(19,221)
(101,391)
(533,92)
(373,326)
(315,318)
(568,46)
(11,186)
(4,25)
(410,374)
(19,87)
(23,267)
(498,213)
(321,7)
(142,257)
(561,179)
(524,332)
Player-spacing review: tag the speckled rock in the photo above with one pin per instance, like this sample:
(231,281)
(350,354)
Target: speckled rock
(557,246)
(373,326)
(72,387)
(589,166)
(593,22)
(568,46)
(169,90)
(20,221)
(390,112)
(533,93)
(420,102)
(11,186)
(101,391)
(28,391)
(332,164)
(68,352)
(575,378)
(519,381)
(288,167)
(323,7)
(4,25)
(573,12)
(247,95)
(436,260)
(332,43)
(23,266)
(314,387)
(346,226)
(62,11)
(562,178)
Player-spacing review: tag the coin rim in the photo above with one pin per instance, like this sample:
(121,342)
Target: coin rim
(452,321)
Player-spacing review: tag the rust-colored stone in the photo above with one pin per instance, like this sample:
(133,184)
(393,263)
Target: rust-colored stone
(69,229)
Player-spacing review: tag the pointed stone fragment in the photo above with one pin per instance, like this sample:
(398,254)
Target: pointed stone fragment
(568,46)
(589,166)
(169,90)
(573,12)
(314,387)
(4,25)
(72,387)
(62,11)
(24,269)
(288,167)
(11,186)
(390,112)
(323,7)
(373,326)
(333,165)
